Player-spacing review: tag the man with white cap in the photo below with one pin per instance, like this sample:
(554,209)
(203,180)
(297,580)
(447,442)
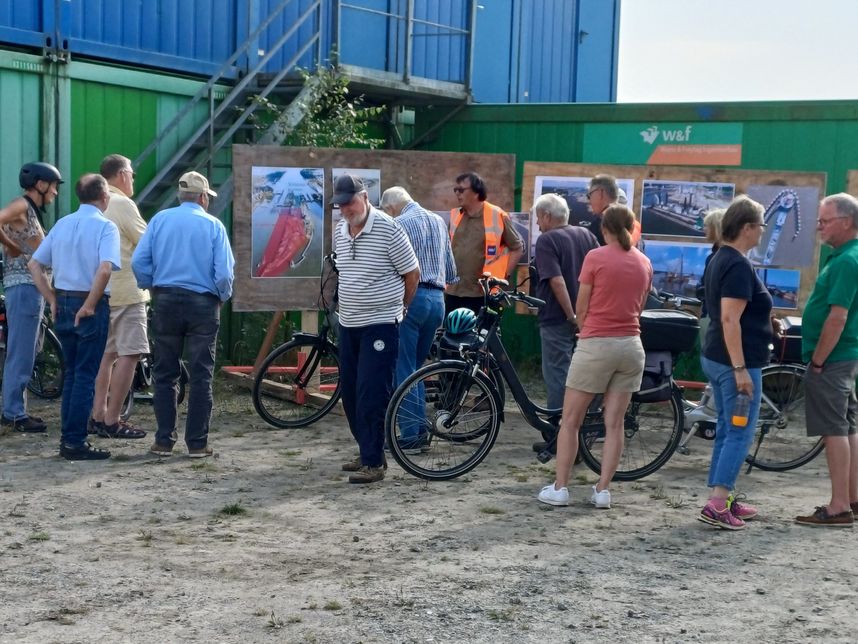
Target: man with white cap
(184,257)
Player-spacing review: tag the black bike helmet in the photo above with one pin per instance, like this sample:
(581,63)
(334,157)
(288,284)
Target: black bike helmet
(36,171)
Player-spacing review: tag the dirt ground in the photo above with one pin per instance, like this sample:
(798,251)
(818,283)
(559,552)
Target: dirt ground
(267,542)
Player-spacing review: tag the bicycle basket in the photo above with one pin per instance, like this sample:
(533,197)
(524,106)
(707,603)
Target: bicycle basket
(655,385)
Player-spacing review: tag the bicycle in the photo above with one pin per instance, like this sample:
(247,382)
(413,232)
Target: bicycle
(459,412)
(47,379)
(299,381)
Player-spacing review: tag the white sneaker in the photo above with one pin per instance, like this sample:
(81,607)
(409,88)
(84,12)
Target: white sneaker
(553,496)
(601,499)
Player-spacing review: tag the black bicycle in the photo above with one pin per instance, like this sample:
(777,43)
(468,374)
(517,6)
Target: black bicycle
(47,379)
(454,407)
(299,381)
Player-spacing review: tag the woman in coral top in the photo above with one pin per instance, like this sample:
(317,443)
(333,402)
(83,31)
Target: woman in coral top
(615,280)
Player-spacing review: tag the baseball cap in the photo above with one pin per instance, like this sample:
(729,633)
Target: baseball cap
(345,188)
(195,182)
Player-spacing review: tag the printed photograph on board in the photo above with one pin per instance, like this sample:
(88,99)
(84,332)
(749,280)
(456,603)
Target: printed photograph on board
(286,222)
(521,221)
(677,267)
(678,207)
(371,181)
(574,191)
(783,286)
(790,235)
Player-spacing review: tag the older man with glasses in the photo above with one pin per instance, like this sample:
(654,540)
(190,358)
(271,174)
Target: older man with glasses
(830,348)
(484,241)
(378,276)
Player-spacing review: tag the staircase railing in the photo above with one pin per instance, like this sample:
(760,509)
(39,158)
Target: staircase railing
(236,97)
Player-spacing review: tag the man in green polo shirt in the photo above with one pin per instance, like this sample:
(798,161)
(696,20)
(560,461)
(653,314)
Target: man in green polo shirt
(830,347)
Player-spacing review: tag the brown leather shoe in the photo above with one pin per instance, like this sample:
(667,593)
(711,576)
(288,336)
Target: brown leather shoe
(822,519)
(367,475)
(355,464)
(200,452)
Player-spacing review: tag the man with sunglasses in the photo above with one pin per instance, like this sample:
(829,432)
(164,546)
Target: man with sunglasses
(830,348)
(127,338)
(484,241)
(378,277)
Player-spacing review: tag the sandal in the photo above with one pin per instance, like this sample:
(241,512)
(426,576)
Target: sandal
(120,429)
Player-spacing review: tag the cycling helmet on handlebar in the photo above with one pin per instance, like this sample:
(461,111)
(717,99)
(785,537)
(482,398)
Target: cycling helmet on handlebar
(461,321)
(38,171)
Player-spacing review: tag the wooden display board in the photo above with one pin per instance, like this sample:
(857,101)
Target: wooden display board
(428,176)
(742,179)
(852,183)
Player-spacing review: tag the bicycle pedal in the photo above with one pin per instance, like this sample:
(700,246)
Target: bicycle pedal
(544,456)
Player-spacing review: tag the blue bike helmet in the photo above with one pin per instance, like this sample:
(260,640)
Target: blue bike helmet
(461,321)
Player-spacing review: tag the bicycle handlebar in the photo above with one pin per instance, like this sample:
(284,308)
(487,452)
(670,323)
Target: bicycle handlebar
(488,283)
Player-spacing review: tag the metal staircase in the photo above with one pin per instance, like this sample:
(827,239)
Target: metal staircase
(208,147)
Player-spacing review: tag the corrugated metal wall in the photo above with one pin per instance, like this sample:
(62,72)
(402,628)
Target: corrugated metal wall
(20,122)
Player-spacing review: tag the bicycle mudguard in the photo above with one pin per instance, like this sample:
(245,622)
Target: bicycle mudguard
(308,338)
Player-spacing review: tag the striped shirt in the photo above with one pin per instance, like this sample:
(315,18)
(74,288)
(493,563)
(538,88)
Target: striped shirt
(371,267)
(430,239)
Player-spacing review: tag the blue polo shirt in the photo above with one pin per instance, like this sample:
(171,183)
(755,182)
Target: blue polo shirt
(185,247)
(76,246)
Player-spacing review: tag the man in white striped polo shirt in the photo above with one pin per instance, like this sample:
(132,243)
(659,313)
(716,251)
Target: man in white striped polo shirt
(378,276)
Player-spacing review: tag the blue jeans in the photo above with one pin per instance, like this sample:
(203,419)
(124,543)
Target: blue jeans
(425,315)
(184,321)
(731,442)
(367,368)
(83,347)
(24,306)
(558,343)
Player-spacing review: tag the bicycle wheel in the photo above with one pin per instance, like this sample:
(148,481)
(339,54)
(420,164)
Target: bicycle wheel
(433,411)
(782,442)
(47,380)
(652,433)
(297,384)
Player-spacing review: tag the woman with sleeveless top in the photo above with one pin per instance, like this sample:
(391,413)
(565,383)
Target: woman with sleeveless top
(609,359)
(21,232)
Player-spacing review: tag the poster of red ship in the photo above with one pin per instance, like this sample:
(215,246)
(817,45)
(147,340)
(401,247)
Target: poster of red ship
(287,222)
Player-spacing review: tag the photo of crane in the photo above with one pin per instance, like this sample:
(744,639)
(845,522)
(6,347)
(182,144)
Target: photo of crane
(790,216)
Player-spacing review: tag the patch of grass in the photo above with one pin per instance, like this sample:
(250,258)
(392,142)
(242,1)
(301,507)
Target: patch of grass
(233,510)
(312,606)
(260,612)
(290,452)
(658,493)
(145,537)
(500,615)
(204,466)
(581,478)
(490,510)
(275,622)
(120,458)
(675,502)
(332,605)
(521,478)
(294,619)
(41,535)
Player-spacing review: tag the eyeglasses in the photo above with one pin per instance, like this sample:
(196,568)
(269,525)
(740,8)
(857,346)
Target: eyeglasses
(130,171)
(590,194)
(760,224)
(821,223)
(459,191)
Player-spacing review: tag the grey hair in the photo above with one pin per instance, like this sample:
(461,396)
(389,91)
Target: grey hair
(188,196)
(394,197)
(845,204)
(713,220)
(554,205)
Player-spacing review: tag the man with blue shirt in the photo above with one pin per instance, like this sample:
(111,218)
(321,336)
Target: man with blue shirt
(430,239)
(184,257)
(82,249)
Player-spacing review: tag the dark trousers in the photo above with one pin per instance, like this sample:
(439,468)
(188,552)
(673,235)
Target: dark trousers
(184,322)
(83,346)
(453,302)
(367,367)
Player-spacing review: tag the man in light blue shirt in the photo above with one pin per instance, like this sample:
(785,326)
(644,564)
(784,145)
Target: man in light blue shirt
(82,249)
(184,257)
(430,239)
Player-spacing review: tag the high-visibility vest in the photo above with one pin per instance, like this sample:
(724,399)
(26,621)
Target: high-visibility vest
(496,252)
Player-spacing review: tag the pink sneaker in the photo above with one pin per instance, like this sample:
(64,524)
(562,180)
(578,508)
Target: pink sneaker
(744,511)
(723,519)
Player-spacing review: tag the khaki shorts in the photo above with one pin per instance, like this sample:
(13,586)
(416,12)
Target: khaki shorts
(607,364)
(127,335)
